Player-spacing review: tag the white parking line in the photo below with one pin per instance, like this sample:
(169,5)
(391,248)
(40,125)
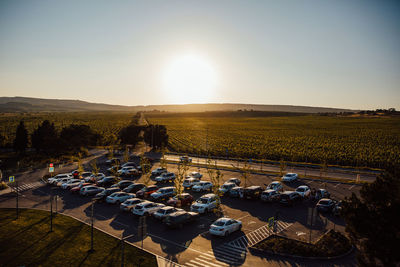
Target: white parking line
(351,187)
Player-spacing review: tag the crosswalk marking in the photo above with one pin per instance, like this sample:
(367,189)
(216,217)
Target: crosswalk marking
(24,187)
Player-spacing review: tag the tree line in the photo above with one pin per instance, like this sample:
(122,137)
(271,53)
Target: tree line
(47,139)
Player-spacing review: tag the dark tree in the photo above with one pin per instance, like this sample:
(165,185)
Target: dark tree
(76,136)
(156,136)
(372,221)
(45,138)
(130,135)
(21,138)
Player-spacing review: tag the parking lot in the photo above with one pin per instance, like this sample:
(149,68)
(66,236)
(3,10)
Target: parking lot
(192,245)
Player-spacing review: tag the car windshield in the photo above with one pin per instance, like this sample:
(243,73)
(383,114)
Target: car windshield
(219,223)
(300,189)
(203,200)
(324,202)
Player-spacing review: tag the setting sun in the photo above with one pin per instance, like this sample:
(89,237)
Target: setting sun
(189,78)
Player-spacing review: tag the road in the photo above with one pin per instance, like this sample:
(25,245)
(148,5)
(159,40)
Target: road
(334,173)
(193,246)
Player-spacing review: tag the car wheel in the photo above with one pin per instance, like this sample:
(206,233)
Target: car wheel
(226,233)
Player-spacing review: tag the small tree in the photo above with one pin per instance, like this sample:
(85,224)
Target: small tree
(282,167)
(21,138)
(95,168)
(126,155)
(215,176)
(163,160)
(183,167)
(245,173)
(146,171)
(80,165)
(110,153)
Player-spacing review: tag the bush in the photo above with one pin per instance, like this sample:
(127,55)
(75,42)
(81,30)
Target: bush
(3,185)
(331,244)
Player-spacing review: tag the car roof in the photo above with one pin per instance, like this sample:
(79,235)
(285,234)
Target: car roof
(275,182)
(229,183)
(269,190)
(224,219)
(288,192)
(208,195)
(177,213)
(303,186)
(253,187)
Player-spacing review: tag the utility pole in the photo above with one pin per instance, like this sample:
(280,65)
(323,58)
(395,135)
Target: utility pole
(51,213)
(91,230)
(17,199)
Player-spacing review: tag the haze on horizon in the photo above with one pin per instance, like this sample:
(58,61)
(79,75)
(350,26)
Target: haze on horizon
(341,54)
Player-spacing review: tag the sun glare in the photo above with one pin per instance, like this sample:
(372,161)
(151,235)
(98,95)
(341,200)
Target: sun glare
(189,78)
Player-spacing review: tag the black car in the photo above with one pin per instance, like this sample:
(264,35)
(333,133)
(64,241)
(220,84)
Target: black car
(107,181)
(113,161)
(124,183)
(179,218)
(103,195)
(252,192)
(133,188)
(288,198)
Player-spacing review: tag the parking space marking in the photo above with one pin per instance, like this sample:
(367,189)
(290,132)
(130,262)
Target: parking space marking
(351,187)
(238,219)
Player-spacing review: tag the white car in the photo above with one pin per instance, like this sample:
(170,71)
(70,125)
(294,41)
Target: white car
(60,182)
(127,171)
(158,171)
(146,208)
(290,177)
(119,197)
(129,164)
(164,211)
(204,204)
(275,185)
(164,193)
(190,182)
(226,187)
(225,226)
(90,190)
(71,183)
(234,180)
(165,177)
(130,203)
(94,177)
(196,175)
(270,195)
(304,191)
(202,186)
(52,180)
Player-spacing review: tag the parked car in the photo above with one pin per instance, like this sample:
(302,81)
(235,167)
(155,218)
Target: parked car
(179,218)
(145,192)
(71,183)
(107,181)
(113,169)
(133,188)
(113,161)
(183,199)
(337,209)
(129,164)
(164,211)
(165,177)
(90,190)
(196,175)
(190,182)
(275,185)
(104,194)
(252,192)
(85,175)
(124,184)
(94,177)
(128,171)
(77,188)
(158,172)
(146,208)
(321,193)
(234,180)
(237,191)
(75,174)
(59,182)
(290,177)
(119,197)
(163,193)
(226,187)
(204,204)
(130,203)
(202,186)
(270,195)
(185,159)
(325,205)
(225,226)
(288,198)
(52,180)
(303,191)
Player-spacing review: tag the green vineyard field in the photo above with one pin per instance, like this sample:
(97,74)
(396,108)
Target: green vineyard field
(346,141)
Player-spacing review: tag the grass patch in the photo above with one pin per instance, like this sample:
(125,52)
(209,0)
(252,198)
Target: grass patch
(331,244)
(28,242)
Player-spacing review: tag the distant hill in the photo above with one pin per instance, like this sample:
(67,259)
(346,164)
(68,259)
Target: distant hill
(28,104)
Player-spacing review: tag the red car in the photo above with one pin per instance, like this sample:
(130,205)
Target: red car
(146,191)
(185,200)
(76,189)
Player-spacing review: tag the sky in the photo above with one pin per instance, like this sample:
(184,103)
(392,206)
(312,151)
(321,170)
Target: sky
(342,53)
